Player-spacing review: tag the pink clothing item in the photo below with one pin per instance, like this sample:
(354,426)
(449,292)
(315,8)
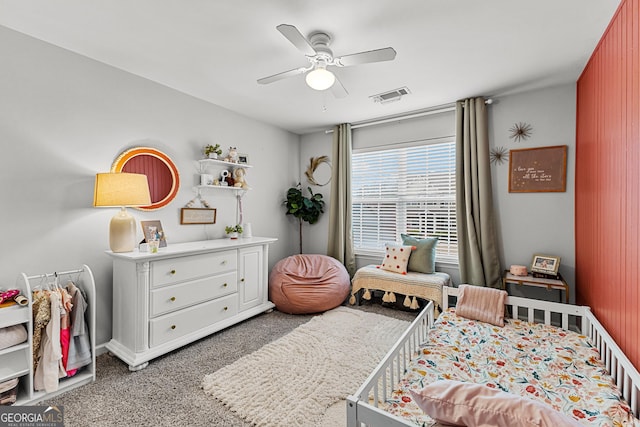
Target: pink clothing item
(65,335)
(480,303)
(65,323)
(80,353)
(467,404)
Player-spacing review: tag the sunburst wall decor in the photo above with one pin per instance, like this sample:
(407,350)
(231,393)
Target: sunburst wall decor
(520,131)
(498,155)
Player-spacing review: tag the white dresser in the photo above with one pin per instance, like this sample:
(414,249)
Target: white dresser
(184,292)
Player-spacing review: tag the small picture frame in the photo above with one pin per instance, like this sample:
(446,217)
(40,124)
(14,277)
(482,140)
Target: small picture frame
(152,230)
(243,159)
(545,264)
(197,216)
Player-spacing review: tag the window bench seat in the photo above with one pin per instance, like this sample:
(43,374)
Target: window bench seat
(412,285)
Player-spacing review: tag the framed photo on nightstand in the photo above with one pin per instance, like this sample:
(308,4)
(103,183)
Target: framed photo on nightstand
(545,264)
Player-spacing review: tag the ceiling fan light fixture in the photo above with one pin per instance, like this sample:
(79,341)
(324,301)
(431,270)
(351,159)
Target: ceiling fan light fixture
(320,79)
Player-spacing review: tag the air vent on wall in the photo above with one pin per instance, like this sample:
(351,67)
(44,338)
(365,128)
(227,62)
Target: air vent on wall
(390,96)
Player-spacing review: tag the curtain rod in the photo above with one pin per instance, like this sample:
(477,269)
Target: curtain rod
(442,109)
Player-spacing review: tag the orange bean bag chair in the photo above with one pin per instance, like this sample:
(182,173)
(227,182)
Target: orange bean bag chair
(302,284)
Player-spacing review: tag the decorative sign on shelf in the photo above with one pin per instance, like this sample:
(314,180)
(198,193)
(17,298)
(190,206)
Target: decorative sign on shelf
(537,170)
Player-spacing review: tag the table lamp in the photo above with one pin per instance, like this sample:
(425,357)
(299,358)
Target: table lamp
(121,190)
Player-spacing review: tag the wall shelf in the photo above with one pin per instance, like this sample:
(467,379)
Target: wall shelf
(214,168)
(206,162)
(222,187)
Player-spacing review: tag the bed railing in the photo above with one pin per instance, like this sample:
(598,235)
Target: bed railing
(531,310)
(620,368)
(363,407)
(622,371)
(379,386)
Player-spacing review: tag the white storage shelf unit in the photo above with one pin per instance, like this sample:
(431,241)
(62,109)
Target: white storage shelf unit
(16,361)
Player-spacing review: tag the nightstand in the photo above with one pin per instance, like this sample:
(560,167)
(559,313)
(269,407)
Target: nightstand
(538,282)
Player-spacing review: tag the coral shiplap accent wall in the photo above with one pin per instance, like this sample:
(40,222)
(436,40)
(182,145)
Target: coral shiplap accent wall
(608,181)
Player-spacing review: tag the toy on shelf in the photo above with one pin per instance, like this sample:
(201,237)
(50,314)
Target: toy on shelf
(238,176)
(232,157)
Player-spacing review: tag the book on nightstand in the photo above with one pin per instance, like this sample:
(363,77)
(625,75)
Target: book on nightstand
(545,275)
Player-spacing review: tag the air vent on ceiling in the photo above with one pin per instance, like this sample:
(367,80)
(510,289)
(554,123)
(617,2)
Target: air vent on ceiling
(392,95)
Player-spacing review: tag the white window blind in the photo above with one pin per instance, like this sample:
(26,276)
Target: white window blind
(407,190)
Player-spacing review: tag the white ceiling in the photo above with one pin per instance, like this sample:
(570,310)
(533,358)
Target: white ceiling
(215,50)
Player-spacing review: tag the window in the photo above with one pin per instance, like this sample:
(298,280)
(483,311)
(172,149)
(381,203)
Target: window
(408,190)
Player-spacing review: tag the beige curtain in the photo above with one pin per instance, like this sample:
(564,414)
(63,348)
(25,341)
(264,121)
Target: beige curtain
(477,242)
(340,244)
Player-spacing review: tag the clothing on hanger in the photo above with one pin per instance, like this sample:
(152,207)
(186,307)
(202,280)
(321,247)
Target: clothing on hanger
(50,367)
(41,315)
(65,324)
(79,354)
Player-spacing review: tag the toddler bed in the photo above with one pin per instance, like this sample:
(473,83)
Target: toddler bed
(584,376)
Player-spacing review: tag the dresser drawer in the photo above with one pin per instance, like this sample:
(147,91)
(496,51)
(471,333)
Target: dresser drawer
(174,297)
(168,271)
(175,325)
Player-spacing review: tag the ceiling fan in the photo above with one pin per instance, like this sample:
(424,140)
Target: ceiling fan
(316,49)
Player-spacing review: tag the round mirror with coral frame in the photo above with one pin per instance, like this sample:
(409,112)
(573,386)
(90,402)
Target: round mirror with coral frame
(162,173)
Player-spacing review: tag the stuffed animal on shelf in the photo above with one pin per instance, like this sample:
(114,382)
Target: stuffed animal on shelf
(232,157)
(238,176)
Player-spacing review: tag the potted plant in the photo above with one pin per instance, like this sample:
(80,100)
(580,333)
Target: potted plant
(233,231)
(212,151)
(304,208)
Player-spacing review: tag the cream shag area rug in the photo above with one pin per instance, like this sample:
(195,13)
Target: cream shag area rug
(304,377)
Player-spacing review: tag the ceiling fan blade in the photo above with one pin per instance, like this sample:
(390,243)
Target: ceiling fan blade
(378,55)
(294,36)
(338,90)
(283,75)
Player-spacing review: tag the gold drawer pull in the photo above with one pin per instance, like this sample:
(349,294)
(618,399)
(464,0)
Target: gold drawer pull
(224,286)
(173,326)
(172,272)
(226,308)
(242,280)
(223,262)
(172,298)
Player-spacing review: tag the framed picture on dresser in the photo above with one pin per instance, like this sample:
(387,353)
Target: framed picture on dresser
(152,230)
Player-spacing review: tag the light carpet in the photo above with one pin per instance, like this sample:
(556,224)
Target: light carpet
(294,380)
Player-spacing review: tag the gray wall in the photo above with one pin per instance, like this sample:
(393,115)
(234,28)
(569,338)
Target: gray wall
(315,237)
(531,223)
(64,117)
(528,223)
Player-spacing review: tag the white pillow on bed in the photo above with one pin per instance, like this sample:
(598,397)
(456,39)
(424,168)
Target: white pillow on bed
(476,405)
(480,303)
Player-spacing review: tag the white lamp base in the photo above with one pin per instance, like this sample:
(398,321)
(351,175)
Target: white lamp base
(122,232)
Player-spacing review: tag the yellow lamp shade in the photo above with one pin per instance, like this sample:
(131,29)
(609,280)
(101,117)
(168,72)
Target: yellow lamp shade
(121,189)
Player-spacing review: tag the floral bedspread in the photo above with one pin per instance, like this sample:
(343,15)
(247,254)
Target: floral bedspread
(545,363)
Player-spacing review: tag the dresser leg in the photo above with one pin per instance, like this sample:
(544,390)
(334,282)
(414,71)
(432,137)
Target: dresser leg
(138,367)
